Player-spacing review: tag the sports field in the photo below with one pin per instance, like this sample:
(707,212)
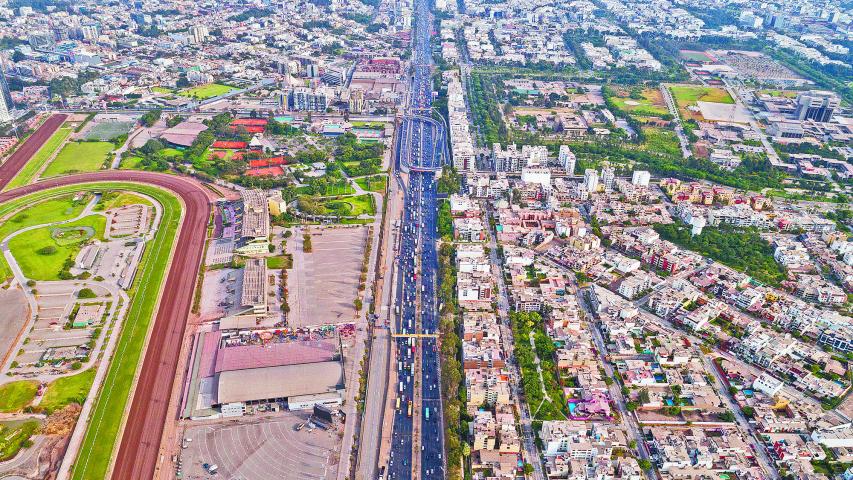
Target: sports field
(102,434)
(106,131)
(28,173)
(78,157)
(694,56)
(203,92)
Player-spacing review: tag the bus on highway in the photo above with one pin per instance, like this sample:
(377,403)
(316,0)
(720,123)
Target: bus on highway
(398,403)
(410,408)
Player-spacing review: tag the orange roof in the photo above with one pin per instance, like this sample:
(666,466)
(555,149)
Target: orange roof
(229,145)
(255,122)
(265,172)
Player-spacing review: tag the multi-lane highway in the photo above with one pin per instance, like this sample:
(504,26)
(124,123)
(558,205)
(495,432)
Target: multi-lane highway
(418,419)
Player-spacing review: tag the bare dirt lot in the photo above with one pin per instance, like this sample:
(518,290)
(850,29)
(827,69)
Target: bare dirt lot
(324,283)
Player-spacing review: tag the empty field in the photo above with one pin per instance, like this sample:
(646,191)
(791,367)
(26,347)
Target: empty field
(79,157)
(690,94)
(210,90)
(649,103)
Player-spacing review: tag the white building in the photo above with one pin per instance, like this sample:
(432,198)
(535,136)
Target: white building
(567,159)
(641,178)
(590,180)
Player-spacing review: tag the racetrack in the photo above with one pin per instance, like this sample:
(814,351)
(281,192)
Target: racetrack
(140,441)
(22,155)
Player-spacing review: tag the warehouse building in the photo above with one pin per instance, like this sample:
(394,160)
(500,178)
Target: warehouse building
(232,370)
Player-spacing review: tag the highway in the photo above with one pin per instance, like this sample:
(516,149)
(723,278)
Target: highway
(418,418)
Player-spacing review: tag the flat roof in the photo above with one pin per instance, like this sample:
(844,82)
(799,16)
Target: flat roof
(245,357)
(254,291)
(256,217)
(279,382)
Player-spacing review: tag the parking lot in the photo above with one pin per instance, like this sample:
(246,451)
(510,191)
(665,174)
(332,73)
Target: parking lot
(55,302)
(221,294)
(324,283)
(262,448)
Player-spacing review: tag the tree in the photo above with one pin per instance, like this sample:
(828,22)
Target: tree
(48,250)
(645,464)
(86,293)
(726,416)
(528,469)
(357,304)
(150,117)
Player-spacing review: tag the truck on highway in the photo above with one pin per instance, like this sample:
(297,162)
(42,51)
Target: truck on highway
(427,413)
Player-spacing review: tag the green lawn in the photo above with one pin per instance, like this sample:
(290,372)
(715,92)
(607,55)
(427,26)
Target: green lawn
(66,390)
(162,90)
(46,211)
(374,183)
(351,206)
(203,92)
(130,163)
(15,396)
(120,199)
(16,435)
(27,248)
(28,173)
(102,435)
(279,262)
(686,95)
(79,157)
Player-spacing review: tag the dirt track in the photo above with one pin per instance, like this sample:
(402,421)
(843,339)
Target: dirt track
(137,454)
(25,151)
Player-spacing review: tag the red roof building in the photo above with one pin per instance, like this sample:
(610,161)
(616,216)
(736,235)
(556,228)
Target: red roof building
(250,122)
(229,145)
(266,162)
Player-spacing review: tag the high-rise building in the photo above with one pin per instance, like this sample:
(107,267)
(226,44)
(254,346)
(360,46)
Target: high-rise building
(199,33)
(5,99)
(89,32)
(356,100)
(817,105)
(641,178)
(567,159)
(306,100)
(590,180)
(608,175)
